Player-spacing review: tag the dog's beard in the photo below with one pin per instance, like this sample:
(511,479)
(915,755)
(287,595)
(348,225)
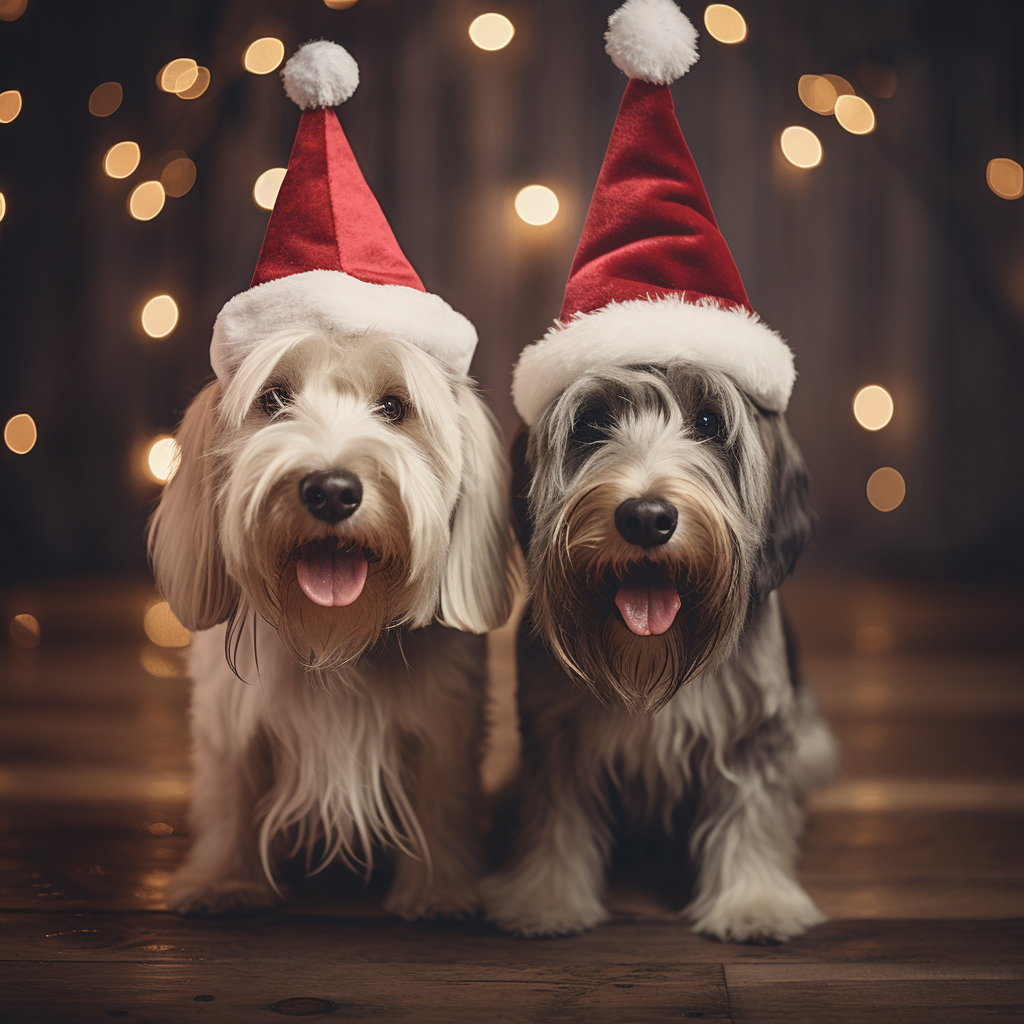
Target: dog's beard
(587,566)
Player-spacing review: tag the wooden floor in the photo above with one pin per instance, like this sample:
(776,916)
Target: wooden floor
(917,855)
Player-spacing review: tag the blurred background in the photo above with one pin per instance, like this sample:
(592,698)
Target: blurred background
(138,148)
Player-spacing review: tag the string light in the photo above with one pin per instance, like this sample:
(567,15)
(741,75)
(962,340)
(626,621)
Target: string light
(177,75)
(25,631)
(163,628)
(146,200)
(817,93)
(178,177)
(801,147)
(198,87)
(855,115)
(536,204)
(725,23)
(840,84)
(20,434)
(491,31)
(340,5)
(268,184)
(160,316)
(1005,177)
(873,407)
(105,99)
(161,459)
(10,105)
(263,56)
(3,206)
(886,489)
(121,159)
(12,10)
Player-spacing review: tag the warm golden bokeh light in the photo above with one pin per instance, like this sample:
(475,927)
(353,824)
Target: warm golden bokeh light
(840,84)
(817,93)
(725,23)
(872,407)
(855,115)
(178,176)
(147,200)
(491,31)
(161,458)
(160,316)
(121,159)
(163,628)
(263,56)
(878,79)
(340,5)
(177,75)
(800,146)
(25,631)
(198,87)
(1005,177)
(10,105)
(3,206)
(105,99)
(536,204)
(268,184)
(12,10)
(161,828)
(161,663)
(873,638)
(20,434)
(886,489)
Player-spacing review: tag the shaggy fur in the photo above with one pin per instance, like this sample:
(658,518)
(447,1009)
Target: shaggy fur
(707,713)
(335,730)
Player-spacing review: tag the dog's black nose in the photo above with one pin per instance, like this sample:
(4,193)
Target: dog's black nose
(646,522)
(331,496)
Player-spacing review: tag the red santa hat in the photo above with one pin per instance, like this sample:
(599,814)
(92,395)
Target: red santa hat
(329,259)
(653,279)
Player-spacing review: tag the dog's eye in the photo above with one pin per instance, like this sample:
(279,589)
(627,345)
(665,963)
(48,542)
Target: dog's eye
(274,400)
(708,424)
(392,408)
(591,426)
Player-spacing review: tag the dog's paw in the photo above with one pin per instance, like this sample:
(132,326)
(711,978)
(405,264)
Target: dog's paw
(425,904)
(532,914)
(775,915)
(198,897)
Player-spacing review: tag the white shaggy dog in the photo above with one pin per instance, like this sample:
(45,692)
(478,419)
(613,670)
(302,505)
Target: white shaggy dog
(333,498)
(659,508)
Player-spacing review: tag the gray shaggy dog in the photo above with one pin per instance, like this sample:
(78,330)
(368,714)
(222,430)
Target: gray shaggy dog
(659,509)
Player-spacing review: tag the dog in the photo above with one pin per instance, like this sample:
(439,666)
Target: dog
(659,508)
(334,497)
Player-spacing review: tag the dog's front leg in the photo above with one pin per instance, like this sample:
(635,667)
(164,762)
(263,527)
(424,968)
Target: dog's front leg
(744,844)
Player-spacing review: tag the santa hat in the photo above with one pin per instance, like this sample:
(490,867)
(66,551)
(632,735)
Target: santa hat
(653,279)
(329,259)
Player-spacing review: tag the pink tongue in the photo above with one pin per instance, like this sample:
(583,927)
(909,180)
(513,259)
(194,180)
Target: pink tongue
(647,610)
(329,577)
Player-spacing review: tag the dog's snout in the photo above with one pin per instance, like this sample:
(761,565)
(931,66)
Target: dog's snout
(331,496)
(646,522)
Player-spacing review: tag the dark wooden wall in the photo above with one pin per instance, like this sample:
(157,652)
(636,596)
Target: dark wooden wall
(891,263)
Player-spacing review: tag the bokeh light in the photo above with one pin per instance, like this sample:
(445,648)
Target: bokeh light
(725,23)
(886,489)
(147,200)
(491,31)
(340,5)
(801,147)
(121,159)
(855,115)
(163,628)
(872,407)
(161,828)
(263,56)
(105,99)
(878,79)
(1005,177)
(161,458)
(160,316)
(178,176)
(160,662)
(840,84)
(20,434)
(3,205)
(536,204)
(817,93)
(177,75)
(25,631)
(10,105)
(12,10)
(198,87)
(268,184)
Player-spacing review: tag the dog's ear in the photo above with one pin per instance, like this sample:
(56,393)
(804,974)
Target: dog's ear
(790,523)
(479,579)
(521,479)
(182,536)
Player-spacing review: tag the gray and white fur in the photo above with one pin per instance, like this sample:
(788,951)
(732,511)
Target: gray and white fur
(706,713)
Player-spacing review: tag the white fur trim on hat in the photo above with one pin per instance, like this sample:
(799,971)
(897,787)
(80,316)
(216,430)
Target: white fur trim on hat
(657,331)
(321,74)
(335,302)
(651,40)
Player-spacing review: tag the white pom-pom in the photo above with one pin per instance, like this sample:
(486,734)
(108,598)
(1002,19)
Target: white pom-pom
(321,74)
(651,40)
